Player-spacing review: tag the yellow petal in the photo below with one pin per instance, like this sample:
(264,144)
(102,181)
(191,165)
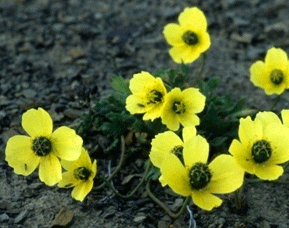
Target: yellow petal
(195,150)
(189,132)
(194,100)
(204,41)
(20,156)
(175,175)
(259,75)
(83,161)
(66,144)
(193,17)
(135,104)
(173,34)
(162,181)
(37,122)
(250,131)
(94,169)
(162,146)
(170,119)
(278,137)
(50,170)
(154,112)
(189,119)
(276,58)
(206,200)
(81,190)
(184,54)
(227,176)
(68,180)
(285,117)
(269,172)
(267,118)
(242,155)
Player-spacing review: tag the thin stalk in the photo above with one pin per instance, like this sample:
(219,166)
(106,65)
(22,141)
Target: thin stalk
(275,102)
(162,205)
(118,166)
(201,69)
(133,191)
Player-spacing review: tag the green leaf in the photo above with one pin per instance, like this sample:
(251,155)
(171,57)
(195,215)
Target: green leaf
(218,141)
(153,174)
(213,83)
(119,84)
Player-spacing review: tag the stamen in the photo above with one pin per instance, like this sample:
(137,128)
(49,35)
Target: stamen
(261,151)
(82,173)
(276,77)
(190,38)
(179,107)
(200,176)
(155,97)
(42,146)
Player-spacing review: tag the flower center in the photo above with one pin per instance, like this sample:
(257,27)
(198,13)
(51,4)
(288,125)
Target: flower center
(179,107)
(261,151)
(190,38)
(178,151)
(276,76)
(200,176)
(155,97)
(42,146)
(82,173)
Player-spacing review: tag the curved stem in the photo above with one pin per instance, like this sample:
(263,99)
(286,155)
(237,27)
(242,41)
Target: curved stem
(162,205)
(134,190)
(118,166)
(201,70)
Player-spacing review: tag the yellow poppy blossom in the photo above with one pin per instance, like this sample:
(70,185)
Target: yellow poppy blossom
(181,107)
(42,147)
(198,179)
(189,38)
(263,144)
(79,174)
(166,143)
(147,97)
(273,74)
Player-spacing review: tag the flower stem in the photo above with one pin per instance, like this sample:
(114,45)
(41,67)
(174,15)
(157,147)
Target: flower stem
(201,69)
(134,190)
(118,166)
(162,205)
(275,102)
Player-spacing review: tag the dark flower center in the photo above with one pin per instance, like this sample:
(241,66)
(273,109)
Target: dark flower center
(42,146)
(82,173)
(261,151)
(179,107)
(155,97)
(276,77)
(200,176)
(178,151)
(190,38)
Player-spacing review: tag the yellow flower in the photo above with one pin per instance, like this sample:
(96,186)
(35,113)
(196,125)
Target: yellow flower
(273,74)
(189,38)
(263,144)
(169,142)
(198,179)
(181,106)
(147,97)
(79,174)
(42,147)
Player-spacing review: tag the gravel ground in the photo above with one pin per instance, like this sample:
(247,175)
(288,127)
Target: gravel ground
(50,47)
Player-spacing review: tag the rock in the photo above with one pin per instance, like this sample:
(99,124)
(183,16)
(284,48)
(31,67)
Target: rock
(140,217)
(4,217)
(244,38)
(21,216)
(276,31)
(109,212)
(29,93)
(63,218)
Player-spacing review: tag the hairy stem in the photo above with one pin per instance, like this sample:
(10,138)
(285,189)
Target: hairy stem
(162,205)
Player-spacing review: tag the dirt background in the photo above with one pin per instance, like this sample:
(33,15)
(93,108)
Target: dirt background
(50,47)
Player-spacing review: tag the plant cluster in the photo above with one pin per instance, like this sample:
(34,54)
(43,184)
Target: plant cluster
(201,145)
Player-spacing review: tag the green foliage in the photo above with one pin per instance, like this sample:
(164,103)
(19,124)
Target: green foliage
(220,118)
(110,118)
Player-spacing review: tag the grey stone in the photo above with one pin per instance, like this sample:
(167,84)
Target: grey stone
(21,216)
(4,217)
